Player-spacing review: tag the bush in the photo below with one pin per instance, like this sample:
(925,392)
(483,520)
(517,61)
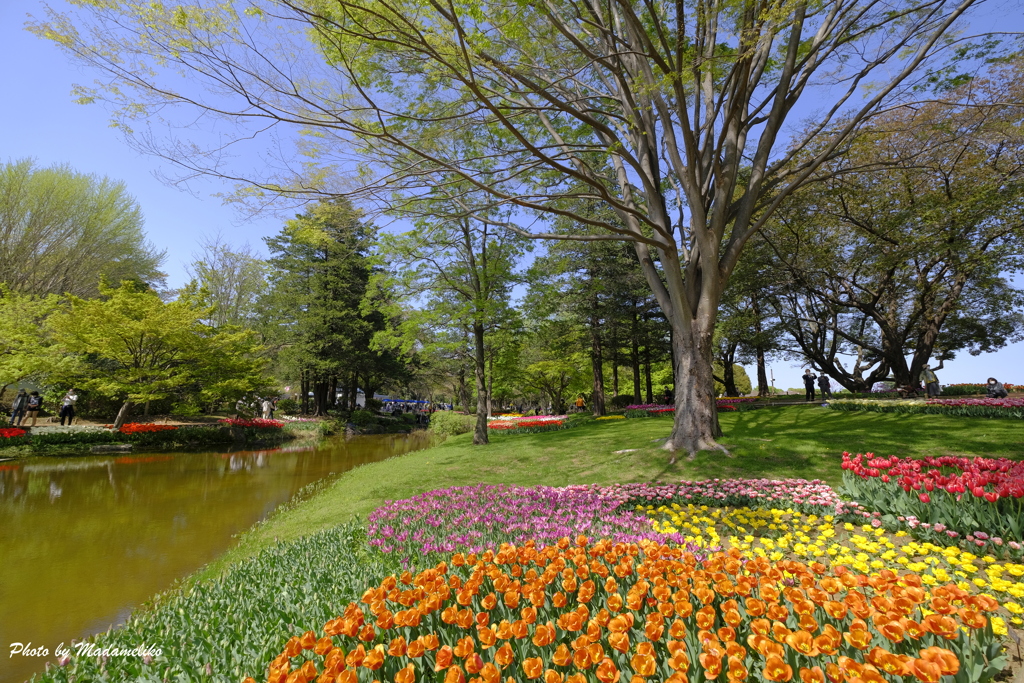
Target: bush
(408,418)
(362,418)
(964,389)
(449,423)
(288,406)
(620,402)
(374,404)
(76,437)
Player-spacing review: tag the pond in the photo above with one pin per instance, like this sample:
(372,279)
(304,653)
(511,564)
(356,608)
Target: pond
(84,540)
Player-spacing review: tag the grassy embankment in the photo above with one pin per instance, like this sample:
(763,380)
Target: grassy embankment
(799,441)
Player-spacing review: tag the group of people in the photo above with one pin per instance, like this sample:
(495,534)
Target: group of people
(27,405)
(823,382)
(994,388)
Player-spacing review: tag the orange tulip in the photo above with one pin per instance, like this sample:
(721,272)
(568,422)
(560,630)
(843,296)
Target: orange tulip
(562,656)
(443,660)
(455,675)
(775,669)
(607,672)
(533,667)
(552,676)
(406,674)
(643,665)
(927,672)
(474,664)
(504,656)
(374,659)
(947,661)
(813,675)
(397,648)
(347,676)
(802,642)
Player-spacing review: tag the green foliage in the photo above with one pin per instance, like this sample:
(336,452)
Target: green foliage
(26,347)
(237,623)
(63,232)
(449,423)
(288,406)
(134,347)
(362,418)
(75,437)
(621,401)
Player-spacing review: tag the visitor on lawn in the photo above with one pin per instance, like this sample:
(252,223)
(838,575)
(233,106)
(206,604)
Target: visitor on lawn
(996,389)
(809,378)
(34,405)
(18,407)
(931,381)
(581,403)
(67,407)
(825,385)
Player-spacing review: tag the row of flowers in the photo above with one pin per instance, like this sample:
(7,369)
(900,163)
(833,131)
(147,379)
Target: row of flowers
(611,612)
(983,407)
(968,389)
(256,423)
(945,499)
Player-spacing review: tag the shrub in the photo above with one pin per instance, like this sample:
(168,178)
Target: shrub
(628,612)
(362,418)
(288,406)
(409,418)
(449,423)
(620,402)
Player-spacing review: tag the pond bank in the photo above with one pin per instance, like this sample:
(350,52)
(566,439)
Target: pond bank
(87,539)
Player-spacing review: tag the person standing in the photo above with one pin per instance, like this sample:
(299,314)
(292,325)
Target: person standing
(18,407)
(825,385)
(267,407)
(931,382)
(809,378)
(67,407)
(35,404)
(996,389)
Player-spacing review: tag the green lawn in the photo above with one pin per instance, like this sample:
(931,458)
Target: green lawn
(798,441)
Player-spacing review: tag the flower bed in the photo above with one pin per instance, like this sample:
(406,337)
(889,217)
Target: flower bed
(572,613)
(12,436)
(528,424)
(142,428)
(256,422)
(472,518)
(945,499)
(969,389)
(783,533)
(656,409)
(1012,408)
(612,417)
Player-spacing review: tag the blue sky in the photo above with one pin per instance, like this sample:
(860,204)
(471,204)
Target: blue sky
(38,119)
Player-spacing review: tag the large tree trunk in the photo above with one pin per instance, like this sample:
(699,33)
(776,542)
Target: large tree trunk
(304,388)
(122,414)
(695,427)
(490,384)
(597,367)
(480,431)
(463,391)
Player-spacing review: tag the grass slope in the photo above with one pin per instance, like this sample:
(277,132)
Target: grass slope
(798,441)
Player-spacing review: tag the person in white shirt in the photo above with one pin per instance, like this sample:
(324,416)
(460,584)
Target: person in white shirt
(67,407)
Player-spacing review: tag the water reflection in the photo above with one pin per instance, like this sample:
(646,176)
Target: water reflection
(84,540)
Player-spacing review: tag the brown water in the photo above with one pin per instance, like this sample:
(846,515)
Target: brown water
(84,540)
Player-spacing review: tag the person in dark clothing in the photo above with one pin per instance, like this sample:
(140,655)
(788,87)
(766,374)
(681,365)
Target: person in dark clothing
(996,389)
(34,405)
(18,407)
(67,407)
(825,385)
(809,378)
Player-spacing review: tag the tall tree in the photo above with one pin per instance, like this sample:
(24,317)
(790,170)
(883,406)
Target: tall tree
(135,348)
(672,115)
(462,268)
(234,279)
(901,252)
(62,232)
